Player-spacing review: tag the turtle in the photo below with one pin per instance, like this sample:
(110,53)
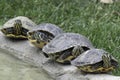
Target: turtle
(66,46)
(18,27)
(95,61)
(43,34)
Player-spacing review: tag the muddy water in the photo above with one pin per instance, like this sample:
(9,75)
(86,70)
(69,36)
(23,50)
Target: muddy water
(12,68)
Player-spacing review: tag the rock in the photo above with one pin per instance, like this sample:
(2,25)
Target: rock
(22,50)
(102,77)
(107,1)
(55,69)
(76,75)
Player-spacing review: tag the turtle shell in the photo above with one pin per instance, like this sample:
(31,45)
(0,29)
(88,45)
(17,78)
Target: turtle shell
(26,22)
(48,27)
(65,41)
(89,57)
(10,30)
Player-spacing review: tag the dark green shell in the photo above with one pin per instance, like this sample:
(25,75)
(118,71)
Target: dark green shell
(65,41)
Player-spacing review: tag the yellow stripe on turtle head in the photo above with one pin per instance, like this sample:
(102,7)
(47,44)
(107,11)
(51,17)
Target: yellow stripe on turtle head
(106,60)
(18,27)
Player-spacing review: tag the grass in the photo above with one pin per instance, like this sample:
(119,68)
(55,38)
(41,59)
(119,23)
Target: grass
(99,22)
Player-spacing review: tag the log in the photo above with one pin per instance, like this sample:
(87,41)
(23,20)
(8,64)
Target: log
(32,55)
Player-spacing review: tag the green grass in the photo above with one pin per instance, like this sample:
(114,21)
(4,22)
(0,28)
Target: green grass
(99,22)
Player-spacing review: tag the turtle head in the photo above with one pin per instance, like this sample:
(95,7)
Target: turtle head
(32,36)
(38,38)
(18,23)
(18,27)
(106,60)
(77,50)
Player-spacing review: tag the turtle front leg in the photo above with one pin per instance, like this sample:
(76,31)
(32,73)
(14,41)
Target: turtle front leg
(65,58)
(69,55)
(77,50)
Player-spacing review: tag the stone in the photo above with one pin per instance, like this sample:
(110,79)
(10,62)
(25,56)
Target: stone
(107,1)
(22,50)
(102,77)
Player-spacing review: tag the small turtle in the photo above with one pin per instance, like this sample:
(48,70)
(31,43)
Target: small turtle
(18,27)
(43,34)
(67,46)
(95,61)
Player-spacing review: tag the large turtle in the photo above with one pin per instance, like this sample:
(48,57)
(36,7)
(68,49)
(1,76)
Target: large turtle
(67,46)
(43,34)
(95,61)
(18,27)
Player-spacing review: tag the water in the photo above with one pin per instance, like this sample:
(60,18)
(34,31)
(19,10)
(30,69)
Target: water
(12,68)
